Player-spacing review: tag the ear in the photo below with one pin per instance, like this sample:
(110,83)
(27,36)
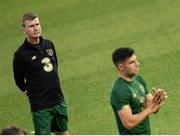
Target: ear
(121,67)
(23,29)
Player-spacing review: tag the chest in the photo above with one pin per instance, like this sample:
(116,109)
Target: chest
(138,96)
(40,59)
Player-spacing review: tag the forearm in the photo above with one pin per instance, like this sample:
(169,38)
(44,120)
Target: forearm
(134,119)
(131,120)
(21,86)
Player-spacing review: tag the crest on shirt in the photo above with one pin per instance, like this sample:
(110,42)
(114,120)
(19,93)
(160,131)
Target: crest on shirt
(134,95)
(142,88)
(50,52)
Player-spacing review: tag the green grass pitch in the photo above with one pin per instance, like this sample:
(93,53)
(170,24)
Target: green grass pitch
(85,33)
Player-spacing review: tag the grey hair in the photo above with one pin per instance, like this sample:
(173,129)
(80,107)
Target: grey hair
(27,16)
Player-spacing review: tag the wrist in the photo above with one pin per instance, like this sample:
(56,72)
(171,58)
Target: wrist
(147,111)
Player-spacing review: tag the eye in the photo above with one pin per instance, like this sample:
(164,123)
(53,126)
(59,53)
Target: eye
(132,62)
(30,26)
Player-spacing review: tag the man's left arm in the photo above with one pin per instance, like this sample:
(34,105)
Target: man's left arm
(55,54)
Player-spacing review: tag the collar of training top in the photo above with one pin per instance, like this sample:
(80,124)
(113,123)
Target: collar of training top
(33,45)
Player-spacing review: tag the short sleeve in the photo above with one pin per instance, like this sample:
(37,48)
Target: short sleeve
(120,98)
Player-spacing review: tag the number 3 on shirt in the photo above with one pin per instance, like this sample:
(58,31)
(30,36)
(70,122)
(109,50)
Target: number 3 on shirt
(48,67)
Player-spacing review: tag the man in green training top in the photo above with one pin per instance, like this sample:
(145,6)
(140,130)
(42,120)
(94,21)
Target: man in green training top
(130,99)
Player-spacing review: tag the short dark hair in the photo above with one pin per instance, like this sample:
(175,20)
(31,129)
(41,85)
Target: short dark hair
(12,130)
(27,16)
(121,54)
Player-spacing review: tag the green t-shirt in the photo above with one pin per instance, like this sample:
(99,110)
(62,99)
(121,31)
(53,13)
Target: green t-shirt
(132,93)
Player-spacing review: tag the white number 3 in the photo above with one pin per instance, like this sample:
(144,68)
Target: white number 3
(48,67)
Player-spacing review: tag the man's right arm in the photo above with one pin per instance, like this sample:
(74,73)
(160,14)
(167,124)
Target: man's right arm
(130,120)
(19,70)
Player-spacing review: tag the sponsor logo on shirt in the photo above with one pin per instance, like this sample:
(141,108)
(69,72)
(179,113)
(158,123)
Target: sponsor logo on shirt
(48,67)
(33,57)
(134,95)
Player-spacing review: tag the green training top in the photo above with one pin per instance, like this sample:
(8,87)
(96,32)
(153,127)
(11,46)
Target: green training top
(130,93)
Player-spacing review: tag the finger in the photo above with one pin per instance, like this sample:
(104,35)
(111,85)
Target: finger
(156,96)
(159,97)
(156,108)
(159,100)
(154,92)
(155,105)
(163,97)
(25,92)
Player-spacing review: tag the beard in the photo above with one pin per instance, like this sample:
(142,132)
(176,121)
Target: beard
(131,74)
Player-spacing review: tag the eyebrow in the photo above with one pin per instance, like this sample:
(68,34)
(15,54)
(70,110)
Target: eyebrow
(34,24)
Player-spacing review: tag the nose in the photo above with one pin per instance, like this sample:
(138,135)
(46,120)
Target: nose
(35,28)
(137,63)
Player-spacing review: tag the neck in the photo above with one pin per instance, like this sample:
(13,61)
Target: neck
(33,41)
(126,77)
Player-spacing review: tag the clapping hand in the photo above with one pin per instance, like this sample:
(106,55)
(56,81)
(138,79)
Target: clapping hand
(159,96)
